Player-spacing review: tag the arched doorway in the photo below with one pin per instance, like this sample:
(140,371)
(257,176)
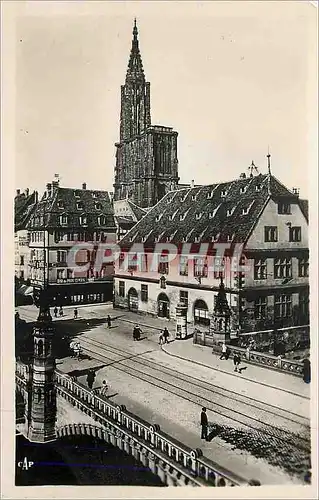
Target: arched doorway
(132,299)
(201,314)
(163,305)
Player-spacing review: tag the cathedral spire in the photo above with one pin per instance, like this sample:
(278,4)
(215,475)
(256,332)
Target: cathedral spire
(135,65)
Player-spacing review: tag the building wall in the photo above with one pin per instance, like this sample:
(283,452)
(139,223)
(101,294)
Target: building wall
(270,217)
(22,254)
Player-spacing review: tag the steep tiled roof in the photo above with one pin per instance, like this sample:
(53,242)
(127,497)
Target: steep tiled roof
(304,208)
(24,206)
(75,203)
(137,211)
(224,212)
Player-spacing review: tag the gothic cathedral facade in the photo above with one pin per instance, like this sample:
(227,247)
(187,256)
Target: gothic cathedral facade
(146,156)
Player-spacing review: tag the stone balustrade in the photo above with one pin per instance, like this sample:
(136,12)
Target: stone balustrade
(172,461)
(269,361)
(292,367)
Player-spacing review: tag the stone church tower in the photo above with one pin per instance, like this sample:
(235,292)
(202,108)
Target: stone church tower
(146,156)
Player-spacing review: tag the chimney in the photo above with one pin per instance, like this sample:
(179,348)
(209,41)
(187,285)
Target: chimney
(84,185)
(49,189)
(18,192)
(111,197)
(36,196)
(242,175)
(27,192)
(295,191)
(192,183)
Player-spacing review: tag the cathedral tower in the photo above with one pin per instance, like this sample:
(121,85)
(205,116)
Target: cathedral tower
(146,156)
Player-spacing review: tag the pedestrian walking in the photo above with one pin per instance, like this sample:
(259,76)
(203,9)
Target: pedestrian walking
(237,361)
(136,333)
(224,351)
(161,339)
(109,321)
(90,378)
(55,311)
(61,311)
(104,388)
(204,423)
(165,335)
(75,313)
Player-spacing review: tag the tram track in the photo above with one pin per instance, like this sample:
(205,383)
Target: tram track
(199,392)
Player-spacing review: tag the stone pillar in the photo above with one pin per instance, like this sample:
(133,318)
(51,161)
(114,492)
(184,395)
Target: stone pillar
(181,321)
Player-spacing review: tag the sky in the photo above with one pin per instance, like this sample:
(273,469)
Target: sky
(233,78)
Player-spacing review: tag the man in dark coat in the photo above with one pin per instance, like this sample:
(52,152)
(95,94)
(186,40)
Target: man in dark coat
(109,321)
(165,335)
(204,424)
(90,378)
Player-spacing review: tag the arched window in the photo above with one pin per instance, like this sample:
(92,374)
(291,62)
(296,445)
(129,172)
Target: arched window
(201,314)
(163,305)
(40,348)
(132,299)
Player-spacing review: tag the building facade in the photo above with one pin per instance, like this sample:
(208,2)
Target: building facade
(24,206)
(67,232)
(146,156)
(126,215)
(259,223)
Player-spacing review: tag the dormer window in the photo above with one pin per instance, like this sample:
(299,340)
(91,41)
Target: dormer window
(83,220)
(63,219)
(223,193)
(158,217)
(199,216)
(77,194)
(258,187)
(98,206)
(230,237)
(243,189)
(230,211)
(210,195)
(79,205)
(94,195)
(60,204)
(197,239)
(245,211)
(183,198)
(194,196)
(171,217)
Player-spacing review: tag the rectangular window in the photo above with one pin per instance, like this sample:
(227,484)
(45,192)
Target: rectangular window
(22,275)
(261,308)
(69,273)
(283,306)
(144,293)
(282,268)
(271,234)
(183,297)
(21,260)
(163,268)
(260,269)
(200,267)
(219,267)
(61,256)
(132,262)
(295,233)
(284,208)
(122,288)
(303,267)
(60,274)
(304,306)
(183,265)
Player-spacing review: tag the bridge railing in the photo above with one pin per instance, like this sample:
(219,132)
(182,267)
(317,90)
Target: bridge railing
(200,469)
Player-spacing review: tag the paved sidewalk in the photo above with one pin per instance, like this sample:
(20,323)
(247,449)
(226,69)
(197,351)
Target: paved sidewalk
(202,355)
